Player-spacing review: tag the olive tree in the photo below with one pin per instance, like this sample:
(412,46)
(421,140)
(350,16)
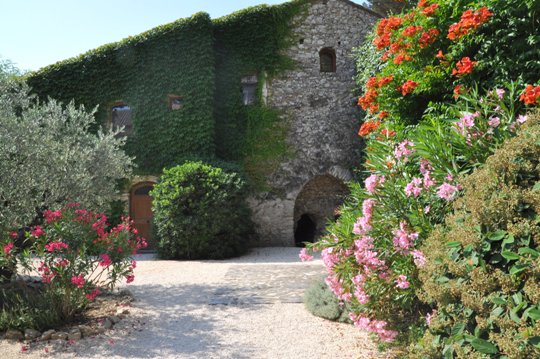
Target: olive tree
(48,157)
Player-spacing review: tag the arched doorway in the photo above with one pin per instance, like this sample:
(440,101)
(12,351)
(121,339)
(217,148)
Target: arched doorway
(140,210)
(316,205)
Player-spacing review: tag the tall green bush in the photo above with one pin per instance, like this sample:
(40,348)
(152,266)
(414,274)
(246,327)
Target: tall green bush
(200,213)
(483,267)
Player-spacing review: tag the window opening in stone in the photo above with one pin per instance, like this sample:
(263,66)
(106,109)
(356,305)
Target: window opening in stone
(328,60)
(121,117)
(249,89)
(306,229)
(175,102)
(301,41)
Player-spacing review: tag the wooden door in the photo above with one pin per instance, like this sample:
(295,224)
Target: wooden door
(141,210)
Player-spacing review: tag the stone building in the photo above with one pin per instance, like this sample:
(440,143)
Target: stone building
(317,97)
(164,84)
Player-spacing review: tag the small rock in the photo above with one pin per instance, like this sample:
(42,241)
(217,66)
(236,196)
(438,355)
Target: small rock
(114,319)
(122,311)
(74,334)
(13,334)
(87,331)
(108,324)
(59,336)
(31,334)
(47,335)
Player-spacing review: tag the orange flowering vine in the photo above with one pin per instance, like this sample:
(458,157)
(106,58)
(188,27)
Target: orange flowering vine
(530,95)
(469,21)
(407,87)
(430,10)
(457,91)
(428,37)
(463,67)
(368,127)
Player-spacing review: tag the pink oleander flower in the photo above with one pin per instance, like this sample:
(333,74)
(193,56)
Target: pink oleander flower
(62,262)
(7,248)
(494,121)
(130,278)
(372,182)
(52,216)
(37,231)
(467,121)
(329,258)
(305,256)
(13,235)
(430,316)
(361,296)
(404,149)
(447,191)
(404,240)
(78,281)
(500,93)
(358,280)
(55,246)
(425,166)
(419,258)
(360,322)
(522,118)
(401,282)
(428,180)
(105,260)
(413,188)
(361,226)
(367,208)
(93,294)
(336,285)
(427,209)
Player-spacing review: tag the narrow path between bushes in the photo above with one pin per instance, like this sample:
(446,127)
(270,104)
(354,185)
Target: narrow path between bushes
(247,307)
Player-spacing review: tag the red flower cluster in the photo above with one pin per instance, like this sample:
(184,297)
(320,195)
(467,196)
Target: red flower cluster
(457,91)
(368,127)
(463,67)
(411,30)
(530,95)
(56,246)
(407,87)
(428,37)
(384,30)
(469,21)
(430,10)
(51,216)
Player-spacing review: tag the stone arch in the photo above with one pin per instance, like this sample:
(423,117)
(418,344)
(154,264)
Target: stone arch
(315,205)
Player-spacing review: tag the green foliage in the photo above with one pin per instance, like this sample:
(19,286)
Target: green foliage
(25,307)
(482,272)
(48,158)
(200,212)
(196,58)
(321,302)
(141,71)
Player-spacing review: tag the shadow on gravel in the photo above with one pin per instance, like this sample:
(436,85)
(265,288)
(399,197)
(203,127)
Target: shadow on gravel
(178,322)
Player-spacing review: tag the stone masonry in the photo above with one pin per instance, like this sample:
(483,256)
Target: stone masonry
(323,118)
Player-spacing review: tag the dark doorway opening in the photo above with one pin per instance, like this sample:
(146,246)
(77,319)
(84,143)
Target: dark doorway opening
(306,229)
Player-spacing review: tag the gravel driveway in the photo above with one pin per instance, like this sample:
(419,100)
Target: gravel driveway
(247,307)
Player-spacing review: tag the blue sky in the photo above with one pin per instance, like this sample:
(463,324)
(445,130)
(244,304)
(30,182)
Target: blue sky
(36,33)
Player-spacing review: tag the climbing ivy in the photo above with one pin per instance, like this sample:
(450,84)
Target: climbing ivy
(201,60)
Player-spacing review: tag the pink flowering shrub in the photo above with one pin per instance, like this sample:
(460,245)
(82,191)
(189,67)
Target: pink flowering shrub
(373,253)
(76,256)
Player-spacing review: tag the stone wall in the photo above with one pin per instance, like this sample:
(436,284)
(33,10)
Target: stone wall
(321,109)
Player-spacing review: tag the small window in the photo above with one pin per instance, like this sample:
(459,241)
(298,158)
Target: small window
(249,89)
(327,58)
(121,117)
(176,102)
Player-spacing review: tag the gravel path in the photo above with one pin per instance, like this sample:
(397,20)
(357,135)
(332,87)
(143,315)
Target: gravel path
(248,307)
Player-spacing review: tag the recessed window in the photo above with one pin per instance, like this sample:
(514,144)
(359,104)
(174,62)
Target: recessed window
(327,58)
(121,117)
(176,102)
(301,41)
(249,89)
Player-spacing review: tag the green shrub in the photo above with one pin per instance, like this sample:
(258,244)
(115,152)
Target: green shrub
(321,302)
(483,269)
(200,212)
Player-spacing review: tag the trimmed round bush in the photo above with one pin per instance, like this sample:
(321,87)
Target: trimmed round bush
(200,212)
(321,302)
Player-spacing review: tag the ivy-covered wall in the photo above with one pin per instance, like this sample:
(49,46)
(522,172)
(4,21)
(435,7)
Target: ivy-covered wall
(141,71)
(203,61)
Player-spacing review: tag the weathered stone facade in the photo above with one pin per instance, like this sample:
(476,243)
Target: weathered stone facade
(322,112)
